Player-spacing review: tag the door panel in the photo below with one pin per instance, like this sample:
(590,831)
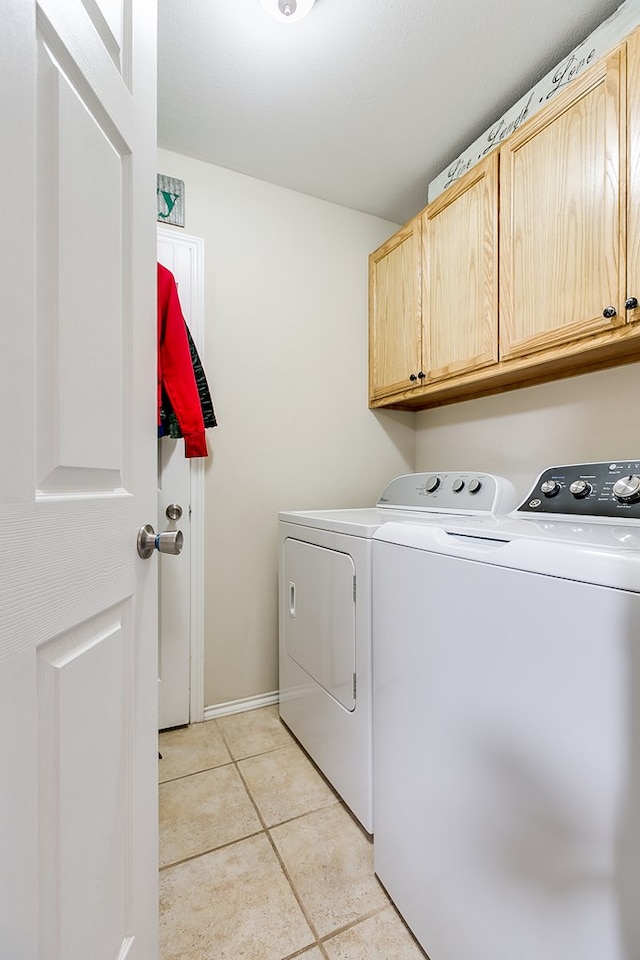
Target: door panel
(108,18)
(77,479)
(561,216)
(87,837)
(79,335)
(320,623)
(633,192)
(395,332)
(460,274)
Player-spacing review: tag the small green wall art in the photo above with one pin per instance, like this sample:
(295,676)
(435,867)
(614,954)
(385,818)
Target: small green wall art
(170,196)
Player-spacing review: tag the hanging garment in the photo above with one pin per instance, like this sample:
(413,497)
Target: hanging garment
(170,425)
(175,370)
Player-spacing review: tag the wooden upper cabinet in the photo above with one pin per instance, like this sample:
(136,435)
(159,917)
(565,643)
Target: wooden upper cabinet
(395,324)
(633,175)
(562,217)
(530,262)
(460,274)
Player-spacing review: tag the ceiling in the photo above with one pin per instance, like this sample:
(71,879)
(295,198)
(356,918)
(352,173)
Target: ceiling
(363,102)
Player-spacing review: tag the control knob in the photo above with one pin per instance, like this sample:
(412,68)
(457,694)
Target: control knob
(458,485)
(550,488)
(580,489)
(627,489)
(475,485)
(432,484)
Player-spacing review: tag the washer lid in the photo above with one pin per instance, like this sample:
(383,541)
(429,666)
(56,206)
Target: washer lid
(608,556)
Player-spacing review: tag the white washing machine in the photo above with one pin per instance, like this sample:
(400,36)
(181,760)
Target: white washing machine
(507,723)
(325,617)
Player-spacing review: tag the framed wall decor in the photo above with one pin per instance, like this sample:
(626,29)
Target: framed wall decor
(170,197)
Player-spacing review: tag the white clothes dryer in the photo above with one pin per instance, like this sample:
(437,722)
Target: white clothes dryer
(325,617)
(507,723)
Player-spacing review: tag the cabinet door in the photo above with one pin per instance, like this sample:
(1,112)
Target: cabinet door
(395,344)
(562,245)
(460,274)
(633,190)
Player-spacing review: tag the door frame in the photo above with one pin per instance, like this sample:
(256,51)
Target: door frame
(196,482)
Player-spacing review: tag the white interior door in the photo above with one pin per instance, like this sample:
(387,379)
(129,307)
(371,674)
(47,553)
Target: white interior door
(181,481)
(77,480)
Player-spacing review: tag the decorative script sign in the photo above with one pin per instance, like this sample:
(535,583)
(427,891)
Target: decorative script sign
(170,196)
(599,43)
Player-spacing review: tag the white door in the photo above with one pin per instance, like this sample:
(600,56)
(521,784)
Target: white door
(174,583)
(77,480)
(181,482)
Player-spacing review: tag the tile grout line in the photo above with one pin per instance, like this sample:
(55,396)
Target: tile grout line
(289,879)
(354,923)
(301,953)
(285,872)
(299,816)
(193,773)
(267,830)
(204,853)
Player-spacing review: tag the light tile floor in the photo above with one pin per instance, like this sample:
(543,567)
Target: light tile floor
(259,858)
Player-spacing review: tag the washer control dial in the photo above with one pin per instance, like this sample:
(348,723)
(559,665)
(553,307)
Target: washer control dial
(580,489)
(475,485)
(432,484)
(550,488)
(627,489)
(458,485)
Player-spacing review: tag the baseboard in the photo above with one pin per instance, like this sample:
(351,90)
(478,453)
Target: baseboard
(239,706)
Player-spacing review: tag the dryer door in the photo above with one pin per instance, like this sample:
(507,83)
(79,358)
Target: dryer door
(319,616)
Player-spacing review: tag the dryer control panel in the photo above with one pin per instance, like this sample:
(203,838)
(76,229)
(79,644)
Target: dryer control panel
(450,492)
(608,489)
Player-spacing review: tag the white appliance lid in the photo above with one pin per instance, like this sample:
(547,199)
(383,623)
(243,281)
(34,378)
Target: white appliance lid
(356,522)
(589,553)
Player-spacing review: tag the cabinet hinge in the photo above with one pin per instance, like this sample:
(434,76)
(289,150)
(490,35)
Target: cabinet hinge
(354,589)
(354,686)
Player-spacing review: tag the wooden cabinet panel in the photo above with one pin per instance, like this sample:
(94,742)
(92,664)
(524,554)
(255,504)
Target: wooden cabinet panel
(562,217)
(633,174)
(460,274)
(395,331)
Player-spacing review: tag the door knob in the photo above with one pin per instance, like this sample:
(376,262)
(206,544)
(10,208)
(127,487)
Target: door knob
(609,312)
(170,541)
(173,511)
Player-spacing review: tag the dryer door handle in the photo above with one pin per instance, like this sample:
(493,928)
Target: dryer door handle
(292,599)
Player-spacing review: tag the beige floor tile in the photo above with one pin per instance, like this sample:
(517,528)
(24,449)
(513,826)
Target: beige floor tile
(235,902)
(381,937)
(254,731)
(330,863)
(191,749)
(204,811)
(285,784)
(313,954)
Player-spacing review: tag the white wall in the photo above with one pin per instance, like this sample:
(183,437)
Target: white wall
(517,434)
(286,358)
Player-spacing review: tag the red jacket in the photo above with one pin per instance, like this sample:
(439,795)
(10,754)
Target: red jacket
(175,370)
